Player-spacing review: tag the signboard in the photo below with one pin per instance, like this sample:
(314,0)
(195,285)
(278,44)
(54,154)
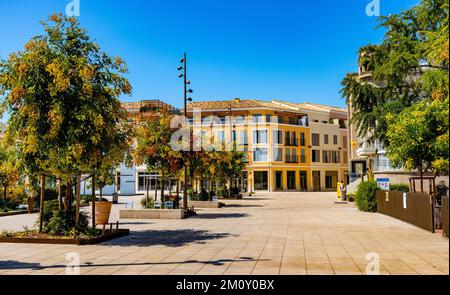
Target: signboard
(383,183)
(404,200)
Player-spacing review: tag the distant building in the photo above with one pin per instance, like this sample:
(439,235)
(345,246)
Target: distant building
(290,146)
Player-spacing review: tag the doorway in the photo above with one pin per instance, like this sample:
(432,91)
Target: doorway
(278,180)
(261,181)
(316,180)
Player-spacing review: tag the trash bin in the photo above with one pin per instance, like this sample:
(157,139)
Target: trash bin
(115,198)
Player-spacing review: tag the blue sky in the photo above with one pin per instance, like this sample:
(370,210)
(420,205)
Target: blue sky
(295,50)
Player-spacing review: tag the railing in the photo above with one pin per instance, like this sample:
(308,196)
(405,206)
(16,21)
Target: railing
(291,141)
(291,159)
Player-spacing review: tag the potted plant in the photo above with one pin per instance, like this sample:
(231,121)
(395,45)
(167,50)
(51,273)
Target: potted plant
(102,211)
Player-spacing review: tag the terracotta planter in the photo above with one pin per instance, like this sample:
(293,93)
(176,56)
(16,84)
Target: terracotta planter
(102,212)
(30,205)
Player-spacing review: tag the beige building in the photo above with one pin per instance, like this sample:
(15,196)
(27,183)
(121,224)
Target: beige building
(290,146)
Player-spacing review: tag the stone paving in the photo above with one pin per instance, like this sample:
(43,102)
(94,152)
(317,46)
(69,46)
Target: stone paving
(269,233)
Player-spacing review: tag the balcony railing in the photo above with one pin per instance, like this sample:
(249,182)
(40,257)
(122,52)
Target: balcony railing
(291,159)
(291,141)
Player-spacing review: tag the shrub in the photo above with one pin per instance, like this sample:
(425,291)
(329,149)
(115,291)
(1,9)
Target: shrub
(366,196)
(8,205)
(147,203)
(62,223)
(399,187)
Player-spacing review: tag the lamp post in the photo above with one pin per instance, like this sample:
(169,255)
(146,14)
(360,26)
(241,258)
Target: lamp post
(186,99)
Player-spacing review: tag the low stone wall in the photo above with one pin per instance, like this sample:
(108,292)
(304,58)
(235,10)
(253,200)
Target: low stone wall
(152,214)
(204,204)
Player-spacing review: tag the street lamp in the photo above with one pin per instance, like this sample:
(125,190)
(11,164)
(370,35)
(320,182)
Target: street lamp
(183,61)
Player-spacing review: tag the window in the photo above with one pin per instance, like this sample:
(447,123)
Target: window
(244,138)
(344,142)
(145,181)
(326,156)
(302,139)
(221,137)
(277,136)
(268,118)
(257,118)
(261,180)
(259,136)
(277,154)
(325,138)
(315,139)
(291,180)
(287,134)
(294,138)
(292,121)
(325,122)
(302,156)
(315,156)
(291,155)
(335,139)
(260,155)
(335,157)
(345,157)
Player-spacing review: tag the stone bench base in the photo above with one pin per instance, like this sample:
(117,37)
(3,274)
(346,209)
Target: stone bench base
(152,214)
(205,204)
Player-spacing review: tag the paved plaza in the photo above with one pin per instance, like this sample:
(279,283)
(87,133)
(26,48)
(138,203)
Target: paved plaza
(269,233)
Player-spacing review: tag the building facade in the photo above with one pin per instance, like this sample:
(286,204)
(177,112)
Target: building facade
(290,147)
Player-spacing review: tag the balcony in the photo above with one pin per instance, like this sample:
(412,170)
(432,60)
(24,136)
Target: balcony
(291,159)
(366,150)
(291,141)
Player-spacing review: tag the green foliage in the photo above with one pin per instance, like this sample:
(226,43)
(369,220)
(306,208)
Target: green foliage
(405,80)
(399,187)
(8,205)
(62,94)
(366,196)
(419,137)
(62,223)
(147,203)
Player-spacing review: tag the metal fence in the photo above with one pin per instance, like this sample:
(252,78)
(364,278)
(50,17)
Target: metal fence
(445,216)
(414,208)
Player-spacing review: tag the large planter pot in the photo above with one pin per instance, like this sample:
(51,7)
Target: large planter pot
(102,212)
(30,205)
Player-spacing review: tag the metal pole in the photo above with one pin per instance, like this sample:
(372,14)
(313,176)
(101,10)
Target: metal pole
(185,170)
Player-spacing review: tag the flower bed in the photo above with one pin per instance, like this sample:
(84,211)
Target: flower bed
(42,238)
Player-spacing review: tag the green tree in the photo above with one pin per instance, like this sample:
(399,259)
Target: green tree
(407,71)
(62,93)
(419,137)
(11,166)
(153,136)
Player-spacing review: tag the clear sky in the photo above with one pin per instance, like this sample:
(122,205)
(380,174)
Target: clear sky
(293,50)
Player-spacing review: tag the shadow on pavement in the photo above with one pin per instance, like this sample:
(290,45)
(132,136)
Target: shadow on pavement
(170,238)
(13,264)
(219,215)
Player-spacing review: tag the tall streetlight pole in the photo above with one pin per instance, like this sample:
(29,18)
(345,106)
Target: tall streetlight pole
(186,99)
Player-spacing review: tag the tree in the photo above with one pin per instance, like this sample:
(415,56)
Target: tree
(11,166)
(408,70)
(62,95)
(419,137)
(153,136)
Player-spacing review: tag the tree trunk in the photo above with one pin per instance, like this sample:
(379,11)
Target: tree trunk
(58,188)
(93,201)
(162,188)
(77,193)
(5,190)
(41,205)
(421,180)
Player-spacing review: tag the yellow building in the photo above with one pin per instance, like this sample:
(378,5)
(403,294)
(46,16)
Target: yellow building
(291,147)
